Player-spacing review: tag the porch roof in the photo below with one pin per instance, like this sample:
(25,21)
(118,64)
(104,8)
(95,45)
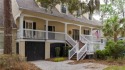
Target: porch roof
(2,14)
(31,5)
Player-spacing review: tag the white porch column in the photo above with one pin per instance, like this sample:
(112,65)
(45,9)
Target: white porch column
(91,31)
(65,31)
(92,44)
(46,29)
(21,26)
(80,31)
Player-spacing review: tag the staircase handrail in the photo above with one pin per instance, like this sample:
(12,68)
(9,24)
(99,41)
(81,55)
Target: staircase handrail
(82,36)
(68,38)
(82,51)
(74,50)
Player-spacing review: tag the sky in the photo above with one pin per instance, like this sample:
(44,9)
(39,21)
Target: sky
(97,16)
(101,1)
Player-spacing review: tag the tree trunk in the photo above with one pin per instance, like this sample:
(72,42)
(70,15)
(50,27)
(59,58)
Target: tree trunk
(115,37)
(123,14)
(90,16)
(7,27)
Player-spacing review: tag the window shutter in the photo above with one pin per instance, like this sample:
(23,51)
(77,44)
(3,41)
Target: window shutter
(34,25)
(23,24)
(34,28)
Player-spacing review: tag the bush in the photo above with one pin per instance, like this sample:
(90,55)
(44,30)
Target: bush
(66,51)
(57,50)
(112,49)
(14,62)
(59,59)
(101,54)
(116,49)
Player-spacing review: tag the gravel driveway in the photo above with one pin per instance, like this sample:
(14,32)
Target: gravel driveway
(48,65)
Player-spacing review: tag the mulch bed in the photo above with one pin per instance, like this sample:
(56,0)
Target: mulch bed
(105,62)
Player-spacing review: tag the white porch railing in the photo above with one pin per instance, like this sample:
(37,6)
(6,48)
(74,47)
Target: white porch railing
(82,52)
(70,40)
(41,35)
(92,38)
(94,43)
(83,39)
(56,36)
(73,51)
(34,34)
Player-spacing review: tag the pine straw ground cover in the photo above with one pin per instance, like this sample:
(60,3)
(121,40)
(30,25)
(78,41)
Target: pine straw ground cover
(14,62)
(105,62)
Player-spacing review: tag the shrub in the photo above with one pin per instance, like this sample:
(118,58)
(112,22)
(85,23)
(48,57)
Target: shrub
(112,49)
(59,59)
(116,49)
(15,62)
(57,50)
(66,49)
(101,54)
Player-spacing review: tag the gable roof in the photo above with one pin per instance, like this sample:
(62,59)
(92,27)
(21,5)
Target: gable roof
(2,14)
(32,6)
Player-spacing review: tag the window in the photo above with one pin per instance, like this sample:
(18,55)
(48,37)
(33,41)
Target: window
(63,8)
(28,25)
(86,32)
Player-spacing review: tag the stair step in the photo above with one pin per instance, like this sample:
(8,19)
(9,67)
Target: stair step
(74,57)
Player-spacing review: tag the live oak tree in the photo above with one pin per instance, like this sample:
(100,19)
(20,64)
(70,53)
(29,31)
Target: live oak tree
(7,27)
(73,5)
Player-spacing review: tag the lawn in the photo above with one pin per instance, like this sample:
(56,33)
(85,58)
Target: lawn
(115,68)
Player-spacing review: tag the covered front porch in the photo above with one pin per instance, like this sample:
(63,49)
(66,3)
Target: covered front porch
(33,28)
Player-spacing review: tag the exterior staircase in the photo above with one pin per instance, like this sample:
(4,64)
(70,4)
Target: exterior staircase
(81,48)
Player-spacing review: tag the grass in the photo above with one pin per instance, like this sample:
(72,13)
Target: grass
(115,68)
(59,59)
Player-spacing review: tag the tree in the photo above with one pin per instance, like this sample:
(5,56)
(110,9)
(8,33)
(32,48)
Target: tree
(73,5)
(112,7)
(119,4)
(112,27)
(7,27)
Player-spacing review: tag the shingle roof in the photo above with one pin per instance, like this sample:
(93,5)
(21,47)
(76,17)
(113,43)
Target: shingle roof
(32,6)
(1,15)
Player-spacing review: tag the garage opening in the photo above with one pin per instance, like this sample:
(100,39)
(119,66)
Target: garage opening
(53,46)
(35,50)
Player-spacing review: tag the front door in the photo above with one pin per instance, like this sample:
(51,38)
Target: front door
(51,33)
(75,35)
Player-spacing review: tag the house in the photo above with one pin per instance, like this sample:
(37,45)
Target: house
(39,31)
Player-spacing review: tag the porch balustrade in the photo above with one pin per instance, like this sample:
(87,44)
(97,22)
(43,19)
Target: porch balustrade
(41,35)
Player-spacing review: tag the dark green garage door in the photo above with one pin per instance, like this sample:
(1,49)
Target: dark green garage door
(34,50)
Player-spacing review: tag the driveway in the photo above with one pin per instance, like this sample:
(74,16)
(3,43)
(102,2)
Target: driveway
(48,65)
